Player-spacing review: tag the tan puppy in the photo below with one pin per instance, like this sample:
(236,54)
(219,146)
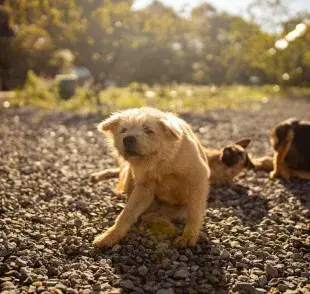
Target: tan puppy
(162,158)
(225,164)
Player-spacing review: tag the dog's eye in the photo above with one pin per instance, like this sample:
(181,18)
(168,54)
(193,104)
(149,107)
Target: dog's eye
(147,130)
(228,149)
(123,130)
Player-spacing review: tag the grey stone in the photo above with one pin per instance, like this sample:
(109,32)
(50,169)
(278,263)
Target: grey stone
(3,251)
(225,254)
(142,270)
(282,287)
(165,291)
(181,274)
(245,288)
(271,271)
(128,284)
(262,281)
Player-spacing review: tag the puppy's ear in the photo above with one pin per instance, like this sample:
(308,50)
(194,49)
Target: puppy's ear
(171,127)
(293,121)
(244,142)
(110,123)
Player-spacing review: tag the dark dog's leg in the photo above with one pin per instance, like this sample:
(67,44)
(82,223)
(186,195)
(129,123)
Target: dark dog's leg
(279,168)
(305,175)
(266,163)
(284,172)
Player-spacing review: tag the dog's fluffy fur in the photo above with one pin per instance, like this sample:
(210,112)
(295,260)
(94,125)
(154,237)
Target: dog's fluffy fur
(160,158)
(291,142)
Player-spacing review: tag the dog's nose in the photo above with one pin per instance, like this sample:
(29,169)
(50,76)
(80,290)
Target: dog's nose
(129,141)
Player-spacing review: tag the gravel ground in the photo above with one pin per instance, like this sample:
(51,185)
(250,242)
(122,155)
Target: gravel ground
(257,229)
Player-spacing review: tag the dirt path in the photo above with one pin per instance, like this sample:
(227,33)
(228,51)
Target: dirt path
(258,229)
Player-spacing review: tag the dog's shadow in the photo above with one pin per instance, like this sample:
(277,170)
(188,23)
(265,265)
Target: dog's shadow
(250,207)
(145,263)
(144,266)
(300,190)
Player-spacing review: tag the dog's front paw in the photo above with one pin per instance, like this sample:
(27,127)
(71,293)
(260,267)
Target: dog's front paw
(107,239)
(273,175)
(185,241)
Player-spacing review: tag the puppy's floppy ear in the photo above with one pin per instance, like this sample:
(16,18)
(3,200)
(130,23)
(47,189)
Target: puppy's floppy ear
(110,123)
(171,126)
(244,142)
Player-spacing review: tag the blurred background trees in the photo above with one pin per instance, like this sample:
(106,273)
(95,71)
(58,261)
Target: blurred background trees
(152,45)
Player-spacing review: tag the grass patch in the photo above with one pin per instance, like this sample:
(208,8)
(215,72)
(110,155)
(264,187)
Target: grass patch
(178,98)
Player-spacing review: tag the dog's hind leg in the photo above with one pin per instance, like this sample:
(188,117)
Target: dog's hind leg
(263,163)
(304,175)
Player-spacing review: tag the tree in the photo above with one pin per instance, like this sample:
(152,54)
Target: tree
(6,35)
(151,45)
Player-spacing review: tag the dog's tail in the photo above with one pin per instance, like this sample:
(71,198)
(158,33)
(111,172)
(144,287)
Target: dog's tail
(105,175)
(263,163)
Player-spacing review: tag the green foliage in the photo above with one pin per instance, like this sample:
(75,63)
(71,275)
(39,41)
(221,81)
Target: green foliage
(37,92)
(152,45)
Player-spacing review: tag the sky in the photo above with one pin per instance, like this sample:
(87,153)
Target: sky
(232,6)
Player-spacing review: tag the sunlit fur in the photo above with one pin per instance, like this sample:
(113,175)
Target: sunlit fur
(150,146)
(170,164)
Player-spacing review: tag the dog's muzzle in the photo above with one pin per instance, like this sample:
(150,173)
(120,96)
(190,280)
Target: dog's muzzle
(130,144)
(231,157)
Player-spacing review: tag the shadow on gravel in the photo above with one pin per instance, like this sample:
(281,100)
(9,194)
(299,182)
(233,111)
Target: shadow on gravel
(300,190)
(247,205)
(147,266)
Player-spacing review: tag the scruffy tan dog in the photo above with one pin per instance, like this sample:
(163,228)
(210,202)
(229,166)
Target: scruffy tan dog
(163,159)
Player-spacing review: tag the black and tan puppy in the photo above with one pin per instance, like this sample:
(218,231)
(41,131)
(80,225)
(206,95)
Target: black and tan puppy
(291,142)
(226,163)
